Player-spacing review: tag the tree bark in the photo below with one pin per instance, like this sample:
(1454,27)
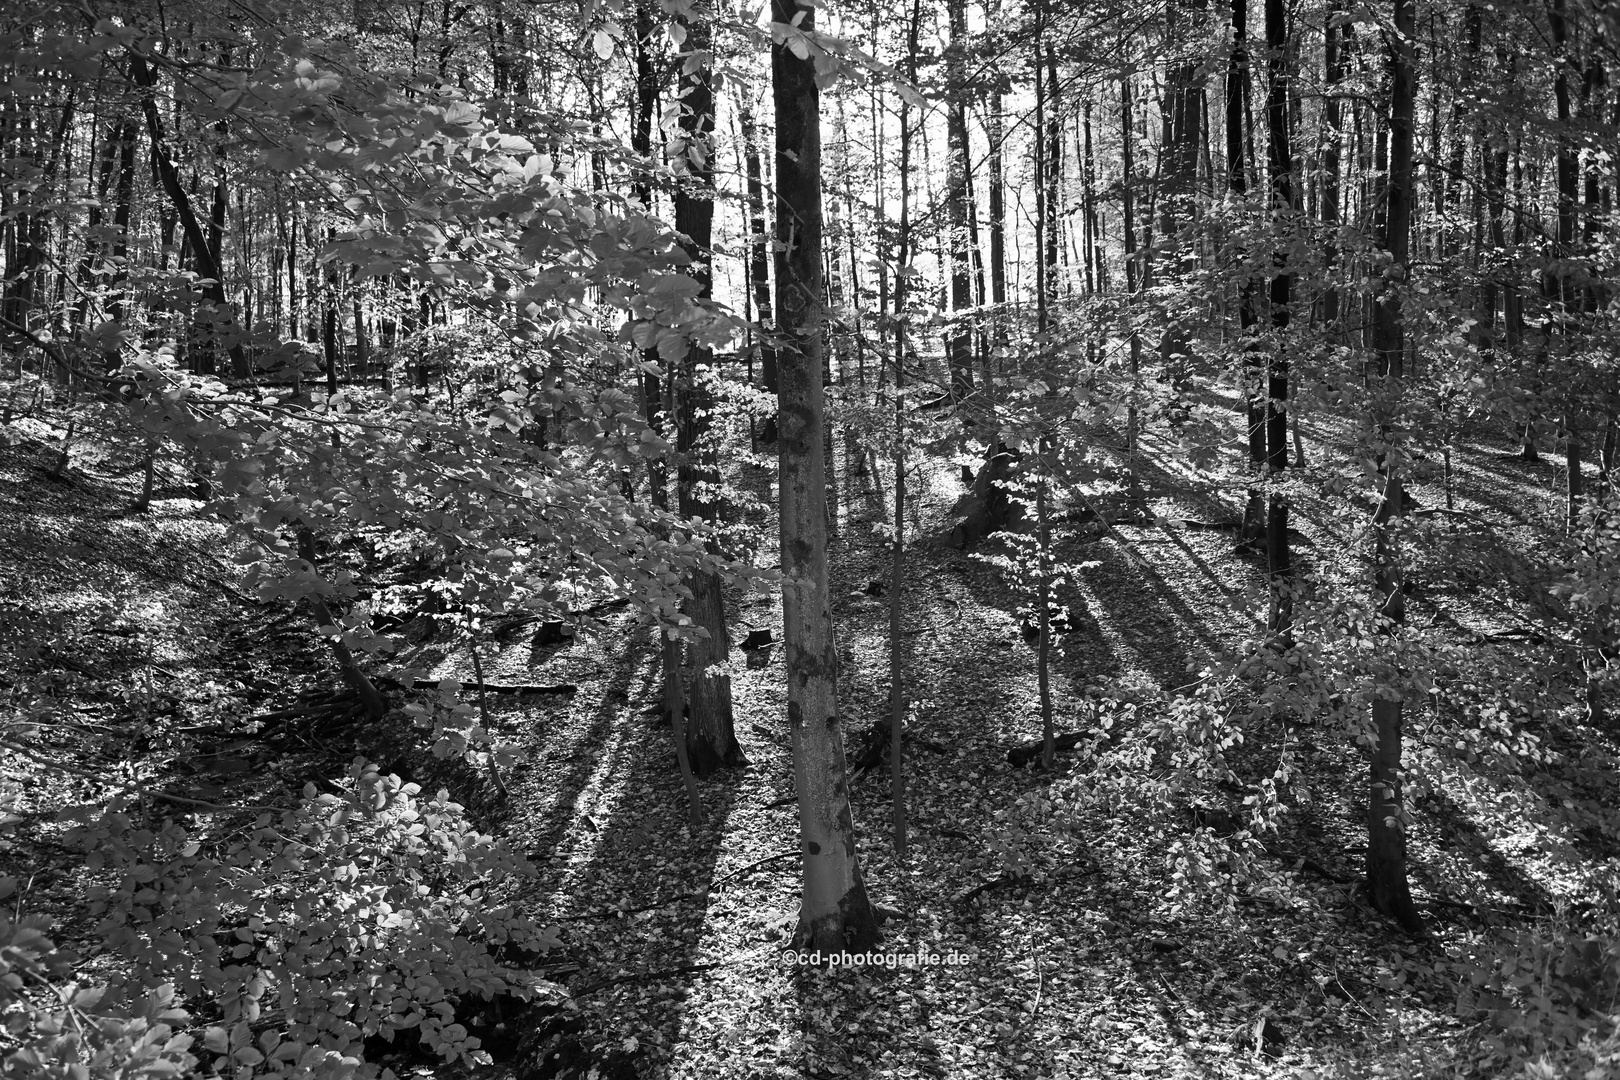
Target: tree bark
(1561,292)
(1280,159)
(1183,120)
(959,345)
(1386,834)
(1335,68)
(759,261)
(711,740)
(1237,181)
(207,265)
(836,913)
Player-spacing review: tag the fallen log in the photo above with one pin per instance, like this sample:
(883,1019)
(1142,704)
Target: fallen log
(1025,753)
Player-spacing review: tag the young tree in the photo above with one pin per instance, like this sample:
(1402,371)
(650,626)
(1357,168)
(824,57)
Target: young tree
(835,913)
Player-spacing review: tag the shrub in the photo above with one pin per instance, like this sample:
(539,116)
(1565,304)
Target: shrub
(354,914)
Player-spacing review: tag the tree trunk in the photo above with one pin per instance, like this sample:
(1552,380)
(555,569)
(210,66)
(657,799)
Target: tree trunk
(959,345)
(759,262)
(1183,119)
(1386,834)
(835,914)
(1093,256)
(711,741)
(1562,294)
(1054,173)
(1280,158)
(1237,181)
(207,266)
(1335,68)
(1046,258)
(362,686)
(641,142)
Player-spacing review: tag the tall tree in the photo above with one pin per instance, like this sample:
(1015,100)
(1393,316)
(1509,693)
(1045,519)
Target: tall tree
(208,268)
(959,345)
(836,913)
(1386,833)
(1335,67)
(1183,124)
(1279,157)
(759,247)
(711,740)
(1237,182)
(1561,291)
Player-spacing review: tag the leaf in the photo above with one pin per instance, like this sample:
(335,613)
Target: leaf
(602,42)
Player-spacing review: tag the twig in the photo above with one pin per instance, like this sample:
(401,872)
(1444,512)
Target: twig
(1344,989)
(753,865)
(963,899)
(1170,989)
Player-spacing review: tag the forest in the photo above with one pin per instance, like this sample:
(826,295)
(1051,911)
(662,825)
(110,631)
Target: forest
(644,538)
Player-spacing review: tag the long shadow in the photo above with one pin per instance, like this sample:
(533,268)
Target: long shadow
(1455,829)
(565,750)
(1168,600)
(646,850)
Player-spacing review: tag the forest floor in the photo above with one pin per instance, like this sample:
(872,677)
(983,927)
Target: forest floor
(1089,964)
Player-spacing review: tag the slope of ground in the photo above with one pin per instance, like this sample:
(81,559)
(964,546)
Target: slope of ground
(1085,962)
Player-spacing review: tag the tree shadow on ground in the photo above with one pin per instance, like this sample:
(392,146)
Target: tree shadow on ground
(1455,832)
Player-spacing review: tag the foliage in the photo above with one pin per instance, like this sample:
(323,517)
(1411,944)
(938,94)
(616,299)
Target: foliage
(1549,988)
(357,913)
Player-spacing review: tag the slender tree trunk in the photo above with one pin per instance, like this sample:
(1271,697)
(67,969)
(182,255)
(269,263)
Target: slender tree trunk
(1562,293)
(1044,265)
(1386,833)
(1093,257)
(118,306)
(897,671)
(1053,128)
(1280,158)
(835,914)
(758,261)
(647,83)
(995,126)
(207,266)
(1332,148)
(711,740)
(1183,119)
(1237,181)
(959,346)
(897,665)
(362,686)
